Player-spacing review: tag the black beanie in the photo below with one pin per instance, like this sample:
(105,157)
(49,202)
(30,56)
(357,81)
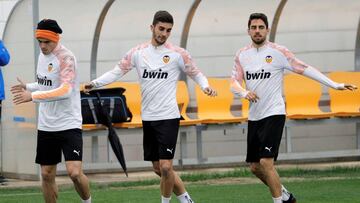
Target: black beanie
(48,24)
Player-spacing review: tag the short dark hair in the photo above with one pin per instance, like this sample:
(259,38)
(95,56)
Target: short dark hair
(163,16)
(49,24)
(258,16)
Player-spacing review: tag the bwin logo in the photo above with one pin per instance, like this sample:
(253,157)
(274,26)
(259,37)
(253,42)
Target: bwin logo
(258,75)
(155,74)
(44,81)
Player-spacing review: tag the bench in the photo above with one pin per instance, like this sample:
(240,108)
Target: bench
(302,105)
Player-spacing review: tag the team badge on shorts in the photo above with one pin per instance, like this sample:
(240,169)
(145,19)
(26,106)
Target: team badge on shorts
(268,59)
(166,59)
(50,67)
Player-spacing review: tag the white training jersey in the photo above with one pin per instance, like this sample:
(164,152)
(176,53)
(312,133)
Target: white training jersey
(57,91)
(262,69)
(158,69)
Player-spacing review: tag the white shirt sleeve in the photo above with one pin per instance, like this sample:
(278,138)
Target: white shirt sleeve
(189,67)
(318,76)
(108,77)
(294,64)
(201,80)
(237,78)
(124,66)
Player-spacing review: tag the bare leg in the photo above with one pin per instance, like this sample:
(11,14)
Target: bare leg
(167,177)
(255,167)
(49,187)
(81,182)
(179,187)
(256,170)
(267,173)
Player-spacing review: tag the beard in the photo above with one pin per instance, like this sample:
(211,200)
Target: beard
(258,41)
(158,39)
(45,52)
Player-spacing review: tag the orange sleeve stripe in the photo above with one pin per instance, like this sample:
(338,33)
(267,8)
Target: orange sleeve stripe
(58,92)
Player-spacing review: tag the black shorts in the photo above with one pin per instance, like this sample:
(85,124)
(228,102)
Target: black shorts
(264,137)
(159,141)
(50,145)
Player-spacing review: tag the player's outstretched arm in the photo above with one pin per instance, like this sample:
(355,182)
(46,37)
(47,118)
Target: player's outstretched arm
(315,74)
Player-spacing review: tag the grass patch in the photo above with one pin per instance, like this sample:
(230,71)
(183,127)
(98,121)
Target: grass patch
(237,172)
(308,191)
(345,172)
(296,172)
(314,173)
(135,183)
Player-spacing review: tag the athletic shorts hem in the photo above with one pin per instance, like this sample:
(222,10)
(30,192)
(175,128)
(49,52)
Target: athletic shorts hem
(257,160)
(51,145)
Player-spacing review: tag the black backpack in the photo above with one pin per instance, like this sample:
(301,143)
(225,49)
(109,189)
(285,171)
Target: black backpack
(112,100)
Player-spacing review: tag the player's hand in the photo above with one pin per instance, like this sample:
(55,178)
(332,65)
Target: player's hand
(88,87)
(18,87)
(210,92)
(21,96)
(252,97)
(349,87)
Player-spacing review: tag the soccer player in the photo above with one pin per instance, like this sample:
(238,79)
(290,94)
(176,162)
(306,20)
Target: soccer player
(59,121)
(159,64)
(261,64)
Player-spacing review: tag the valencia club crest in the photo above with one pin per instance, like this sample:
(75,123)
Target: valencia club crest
(166,59)
(50,67)
(268,59)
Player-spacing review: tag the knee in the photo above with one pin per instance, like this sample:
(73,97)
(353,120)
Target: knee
(267,164)
(165,170)
(74,175)
(47,176)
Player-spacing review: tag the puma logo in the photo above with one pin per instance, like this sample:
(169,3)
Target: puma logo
(169,150)
(78,153)
(268,148)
